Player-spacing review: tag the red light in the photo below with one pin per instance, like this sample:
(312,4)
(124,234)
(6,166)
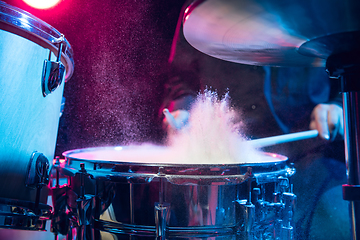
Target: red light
(42,4)
(61,161)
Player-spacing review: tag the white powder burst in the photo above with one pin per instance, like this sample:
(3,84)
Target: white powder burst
(212,135)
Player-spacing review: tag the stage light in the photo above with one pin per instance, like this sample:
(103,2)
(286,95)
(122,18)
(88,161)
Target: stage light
(41,4)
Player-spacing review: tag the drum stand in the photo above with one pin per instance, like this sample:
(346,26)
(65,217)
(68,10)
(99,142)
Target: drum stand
(74,213)
(345,67)
(26,215)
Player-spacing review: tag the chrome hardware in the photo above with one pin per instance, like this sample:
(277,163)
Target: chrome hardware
(37,174)
(85,209)
(64,216)
(24,215)
(260,214)
(162,209)
(53,72)
(38,170)
(86,206)
(249,210)
(287,230)
(161,218)
(176,201)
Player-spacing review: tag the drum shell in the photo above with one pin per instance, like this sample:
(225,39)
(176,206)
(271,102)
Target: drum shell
(207,206)
(29,120)
(197,199)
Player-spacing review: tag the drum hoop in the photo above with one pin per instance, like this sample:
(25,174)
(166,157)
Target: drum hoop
(282,159)
(172,232)
(183,174)
(22,23)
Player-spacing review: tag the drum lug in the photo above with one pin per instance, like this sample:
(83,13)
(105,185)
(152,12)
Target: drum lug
(282,211)
(85,209)
(37,174)
(64,216)
(161,218)
(53,72)
(38,171)
(257,213)
(248,211)
(85,202)
(287,230)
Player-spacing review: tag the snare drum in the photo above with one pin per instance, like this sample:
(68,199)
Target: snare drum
(147,194)
(32,63)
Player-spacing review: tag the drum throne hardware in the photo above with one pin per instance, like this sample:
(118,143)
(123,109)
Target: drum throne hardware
(30,121)
(291,33)
(171,201)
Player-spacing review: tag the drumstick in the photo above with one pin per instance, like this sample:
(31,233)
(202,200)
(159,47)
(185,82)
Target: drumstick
(268,141)
(170,118)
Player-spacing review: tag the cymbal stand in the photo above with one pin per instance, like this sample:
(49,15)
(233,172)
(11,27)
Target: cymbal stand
(345,67)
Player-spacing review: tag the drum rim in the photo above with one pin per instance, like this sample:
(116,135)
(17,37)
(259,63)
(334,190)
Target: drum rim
(17,19)
(175,173)
(281,159)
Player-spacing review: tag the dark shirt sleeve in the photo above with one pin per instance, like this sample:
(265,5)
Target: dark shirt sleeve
(180,91)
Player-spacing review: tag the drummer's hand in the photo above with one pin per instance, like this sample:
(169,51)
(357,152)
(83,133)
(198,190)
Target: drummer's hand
(175,120)
(328,120)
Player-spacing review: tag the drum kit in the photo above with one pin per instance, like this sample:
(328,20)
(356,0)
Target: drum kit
(108,190)
(35,58)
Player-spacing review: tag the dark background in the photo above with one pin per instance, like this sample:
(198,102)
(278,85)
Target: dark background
(121,50)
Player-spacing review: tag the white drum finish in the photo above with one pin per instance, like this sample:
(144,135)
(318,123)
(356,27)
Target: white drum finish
(29,121)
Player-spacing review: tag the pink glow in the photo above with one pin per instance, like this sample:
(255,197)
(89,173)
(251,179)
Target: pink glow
(42,4)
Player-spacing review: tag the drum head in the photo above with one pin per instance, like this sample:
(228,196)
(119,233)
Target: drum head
(147,162)
(155,155)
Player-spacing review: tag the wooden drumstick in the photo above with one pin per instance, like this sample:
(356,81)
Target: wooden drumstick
(261,142)
(170,119)
(269,141)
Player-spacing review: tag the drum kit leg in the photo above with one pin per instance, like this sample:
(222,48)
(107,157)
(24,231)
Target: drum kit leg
(346,67)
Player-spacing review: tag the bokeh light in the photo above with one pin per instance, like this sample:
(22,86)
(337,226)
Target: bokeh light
(41,4)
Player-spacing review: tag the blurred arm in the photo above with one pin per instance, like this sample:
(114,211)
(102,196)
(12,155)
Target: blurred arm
(327,118)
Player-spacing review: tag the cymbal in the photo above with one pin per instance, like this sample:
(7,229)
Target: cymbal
(273,32)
